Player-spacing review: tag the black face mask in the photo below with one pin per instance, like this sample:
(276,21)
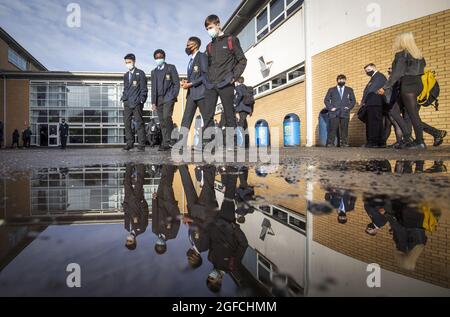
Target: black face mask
(341,84)
(188,51)
(370,74)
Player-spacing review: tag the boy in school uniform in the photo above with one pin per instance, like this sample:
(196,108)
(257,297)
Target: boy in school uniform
(226,63)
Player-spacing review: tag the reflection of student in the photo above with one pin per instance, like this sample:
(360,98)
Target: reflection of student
(227,241)
(343,201)
(134,205)
(202,210)
(408,223)
(244,194)
(165,211)
(375,207)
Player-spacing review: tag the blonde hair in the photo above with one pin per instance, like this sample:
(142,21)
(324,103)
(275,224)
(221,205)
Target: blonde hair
(406,42)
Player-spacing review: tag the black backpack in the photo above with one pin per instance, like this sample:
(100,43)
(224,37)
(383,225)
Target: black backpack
(249,98)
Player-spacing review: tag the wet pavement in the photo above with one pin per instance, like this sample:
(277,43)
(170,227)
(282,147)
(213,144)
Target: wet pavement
(320,223)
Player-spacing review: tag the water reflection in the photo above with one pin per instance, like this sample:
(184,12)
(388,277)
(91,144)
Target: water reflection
(221,231)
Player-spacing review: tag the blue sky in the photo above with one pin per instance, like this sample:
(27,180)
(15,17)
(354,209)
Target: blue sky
(109,29)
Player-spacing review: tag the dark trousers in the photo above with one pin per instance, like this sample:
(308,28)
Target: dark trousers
(63,141)
(206,112)
(335,125)
(426,127)
(374,125)
(165,112)
(226,95)
(137,114)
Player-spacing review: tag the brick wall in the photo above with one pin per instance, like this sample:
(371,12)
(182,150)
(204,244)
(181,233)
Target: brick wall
(432,36)
(18,107)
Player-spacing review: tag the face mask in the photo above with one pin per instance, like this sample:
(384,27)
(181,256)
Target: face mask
(130,66)
(215,274)
(188,51)
(212,33)
(159,61)
(160,241)
(341,84)
(370,74)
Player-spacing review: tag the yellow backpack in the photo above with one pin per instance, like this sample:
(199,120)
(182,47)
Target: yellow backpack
(431,90)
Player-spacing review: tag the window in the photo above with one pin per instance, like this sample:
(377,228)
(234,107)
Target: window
(280,80)
(263,88)
(247,36)
(296,73)
(276,12)
(273,15)
(262,25)
(292,5)
(17,60)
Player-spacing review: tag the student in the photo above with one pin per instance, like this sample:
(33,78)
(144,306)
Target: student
(135,206)
(195,85)
(244,104)
(375,107)
(339,101)
(15,139)
(134,96)
(407,69)
(165,89)
(26,137)
(63,133)
(226,63)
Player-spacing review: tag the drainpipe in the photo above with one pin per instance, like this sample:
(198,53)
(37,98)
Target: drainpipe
(4,110)
(308,69)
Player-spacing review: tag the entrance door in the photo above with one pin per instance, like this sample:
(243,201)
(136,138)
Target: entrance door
(53,135)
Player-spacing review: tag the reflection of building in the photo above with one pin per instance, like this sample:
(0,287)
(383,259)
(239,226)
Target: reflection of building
(75,194)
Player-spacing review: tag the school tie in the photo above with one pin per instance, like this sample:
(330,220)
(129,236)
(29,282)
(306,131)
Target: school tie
(342,205)
(129,77)
(341,91)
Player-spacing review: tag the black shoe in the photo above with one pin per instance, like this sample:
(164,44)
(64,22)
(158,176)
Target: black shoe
(127,148)
(416,146)
(382,146)
(440,139)
(141,149)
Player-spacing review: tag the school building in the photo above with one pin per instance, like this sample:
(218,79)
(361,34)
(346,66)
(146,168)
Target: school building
(296,49)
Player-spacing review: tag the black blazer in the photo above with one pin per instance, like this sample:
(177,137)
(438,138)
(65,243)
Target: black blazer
(197,76)
(333,100)
(171,85)
(370,96)
(135,92)
(135,207)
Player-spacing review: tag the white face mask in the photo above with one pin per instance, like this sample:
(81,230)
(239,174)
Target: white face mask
(213,33)
(130,66)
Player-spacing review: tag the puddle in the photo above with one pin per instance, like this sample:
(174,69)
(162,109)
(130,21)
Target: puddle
(368,228)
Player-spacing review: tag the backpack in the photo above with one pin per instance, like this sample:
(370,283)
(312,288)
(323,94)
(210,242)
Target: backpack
(230,45)
(431,90)
(249,99)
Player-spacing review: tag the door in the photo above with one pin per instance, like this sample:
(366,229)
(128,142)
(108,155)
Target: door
(53,135)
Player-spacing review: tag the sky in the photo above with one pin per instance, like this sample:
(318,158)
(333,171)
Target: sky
(108,30)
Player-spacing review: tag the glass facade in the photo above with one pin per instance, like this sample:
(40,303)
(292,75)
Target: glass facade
(92,109)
